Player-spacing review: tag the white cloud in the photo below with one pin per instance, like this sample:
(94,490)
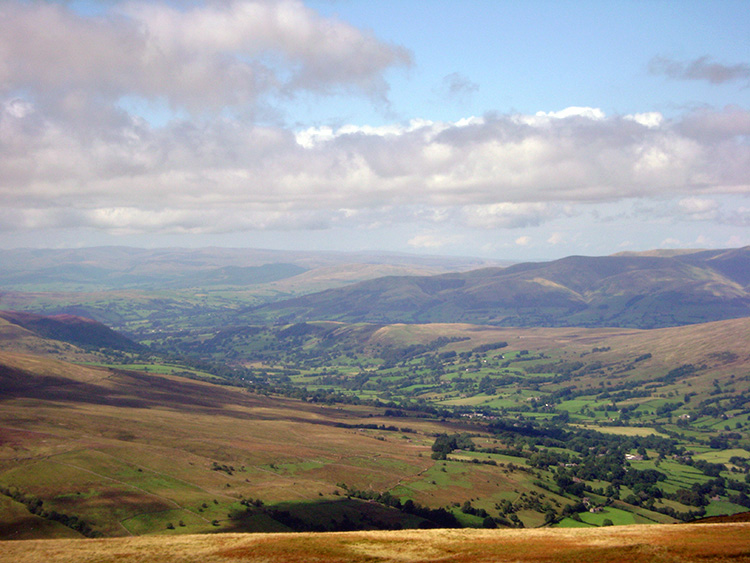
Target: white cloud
(556,238)
(313,136)
(739,216)
(736,241)
(508,215)
(494,172)
(431,240)
(586,112)
(523,241)
(647,119)
(709,209)
(671,242)
(71,155)
(198,56)
(699,209)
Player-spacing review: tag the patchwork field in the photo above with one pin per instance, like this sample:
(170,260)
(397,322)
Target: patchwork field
(327,427)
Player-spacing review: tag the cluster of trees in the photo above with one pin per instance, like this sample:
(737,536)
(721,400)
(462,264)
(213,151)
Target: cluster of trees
(228,469)
(434,517)
(445,444)
(36,506)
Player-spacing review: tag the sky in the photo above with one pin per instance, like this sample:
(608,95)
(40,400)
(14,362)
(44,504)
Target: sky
(512,130)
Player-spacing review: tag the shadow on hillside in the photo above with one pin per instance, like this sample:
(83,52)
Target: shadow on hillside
(339,515)
(120,389)
(136,390)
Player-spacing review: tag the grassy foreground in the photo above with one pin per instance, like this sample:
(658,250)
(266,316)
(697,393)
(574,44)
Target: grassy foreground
(661,543)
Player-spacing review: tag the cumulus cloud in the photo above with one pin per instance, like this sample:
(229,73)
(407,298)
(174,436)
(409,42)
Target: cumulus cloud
(523,241)
(556,238)
(574,111)
(711,210)
(431,241)
(197,56)
(699,209)
(648,119)
(671,242)
(501,171)
(702,68)
(508,215)
(72,156)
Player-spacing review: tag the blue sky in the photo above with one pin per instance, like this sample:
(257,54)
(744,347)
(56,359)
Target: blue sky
(508,130)
(547,55)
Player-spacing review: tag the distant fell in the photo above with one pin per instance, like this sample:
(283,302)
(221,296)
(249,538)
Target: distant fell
(639,291)
(119,267)
(72,329)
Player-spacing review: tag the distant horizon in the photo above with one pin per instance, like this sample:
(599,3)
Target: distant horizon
(374,252)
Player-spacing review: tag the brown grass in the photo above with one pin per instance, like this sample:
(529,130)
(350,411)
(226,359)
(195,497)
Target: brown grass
(630,544)
(129,453)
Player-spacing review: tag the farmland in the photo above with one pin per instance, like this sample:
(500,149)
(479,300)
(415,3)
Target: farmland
(204,422)
(303,436)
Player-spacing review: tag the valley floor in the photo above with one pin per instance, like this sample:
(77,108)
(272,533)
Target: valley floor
(653,544)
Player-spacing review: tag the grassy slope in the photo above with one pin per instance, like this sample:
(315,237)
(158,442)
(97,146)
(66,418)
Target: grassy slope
(16,523)
(669,347)
(653,544)
(129,452)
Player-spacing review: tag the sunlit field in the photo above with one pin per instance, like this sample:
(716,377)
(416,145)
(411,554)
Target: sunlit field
(652,544)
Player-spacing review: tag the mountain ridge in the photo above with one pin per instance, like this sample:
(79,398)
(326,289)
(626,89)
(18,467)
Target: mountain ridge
(635,291)
(119,267)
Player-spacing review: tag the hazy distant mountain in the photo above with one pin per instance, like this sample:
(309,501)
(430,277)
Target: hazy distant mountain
(623,290)
(118,267)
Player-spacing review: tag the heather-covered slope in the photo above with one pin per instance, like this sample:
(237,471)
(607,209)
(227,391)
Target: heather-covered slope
(68,328)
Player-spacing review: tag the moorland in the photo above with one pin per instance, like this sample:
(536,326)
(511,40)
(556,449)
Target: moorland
(251,392)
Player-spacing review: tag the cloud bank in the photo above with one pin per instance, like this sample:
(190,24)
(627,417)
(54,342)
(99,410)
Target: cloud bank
(497,171)
(72,156)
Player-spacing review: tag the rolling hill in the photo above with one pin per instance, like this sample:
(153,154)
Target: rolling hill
(127,450)
(621,290)
(327,423)
(119,268)
(72,329)
(137,290)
